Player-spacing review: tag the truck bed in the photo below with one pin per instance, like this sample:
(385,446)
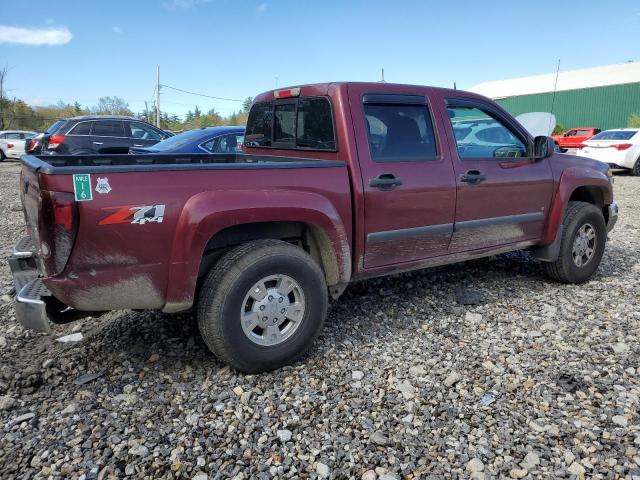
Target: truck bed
(66,164)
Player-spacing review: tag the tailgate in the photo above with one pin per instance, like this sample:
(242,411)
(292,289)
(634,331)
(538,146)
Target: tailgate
(30,198)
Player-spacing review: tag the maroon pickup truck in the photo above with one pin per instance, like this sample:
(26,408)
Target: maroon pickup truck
(338,182)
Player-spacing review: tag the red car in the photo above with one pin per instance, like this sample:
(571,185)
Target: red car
(339,182)
(573,138)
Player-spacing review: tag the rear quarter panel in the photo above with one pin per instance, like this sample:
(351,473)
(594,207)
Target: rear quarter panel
(119,264)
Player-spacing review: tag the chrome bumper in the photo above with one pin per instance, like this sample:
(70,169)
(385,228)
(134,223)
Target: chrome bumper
(31,309)
(613,216)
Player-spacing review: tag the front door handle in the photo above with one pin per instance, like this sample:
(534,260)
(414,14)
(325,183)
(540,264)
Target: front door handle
(385,181)
(472,177)
(97,143)
(136,145)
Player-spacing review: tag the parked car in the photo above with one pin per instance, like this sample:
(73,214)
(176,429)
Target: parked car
(12,143)
(338,182)
(619,148)
(200,140)
(33,146)
(574,137)
(96,134)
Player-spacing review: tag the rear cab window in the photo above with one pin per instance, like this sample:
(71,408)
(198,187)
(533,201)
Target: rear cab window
(303,123)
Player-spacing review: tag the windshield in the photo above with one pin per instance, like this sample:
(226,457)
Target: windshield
(615,135)
(52,129)
(181,139)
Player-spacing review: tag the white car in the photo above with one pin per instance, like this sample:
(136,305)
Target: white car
(619,148)
(12,143)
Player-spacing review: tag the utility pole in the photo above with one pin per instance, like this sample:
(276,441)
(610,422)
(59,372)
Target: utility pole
(158,96)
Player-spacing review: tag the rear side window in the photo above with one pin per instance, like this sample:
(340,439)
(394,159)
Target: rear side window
(400,133)
(106,128)
(304,123)
(54,126)
(82,128)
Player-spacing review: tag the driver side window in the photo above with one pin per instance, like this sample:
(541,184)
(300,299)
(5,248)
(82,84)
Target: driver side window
(479,135)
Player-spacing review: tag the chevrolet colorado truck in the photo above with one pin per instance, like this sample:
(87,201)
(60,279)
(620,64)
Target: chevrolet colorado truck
(337,182)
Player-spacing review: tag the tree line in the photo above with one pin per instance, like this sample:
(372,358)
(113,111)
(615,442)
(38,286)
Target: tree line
(17,114)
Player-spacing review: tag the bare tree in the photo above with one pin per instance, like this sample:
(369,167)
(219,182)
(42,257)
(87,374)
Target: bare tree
(3,77)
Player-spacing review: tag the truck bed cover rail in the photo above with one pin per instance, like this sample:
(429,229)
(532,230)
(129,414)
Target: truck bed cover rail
(66,164)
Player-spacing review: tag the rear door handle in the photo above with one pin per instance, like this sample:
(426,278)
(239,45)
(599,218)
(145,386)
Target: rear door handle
(97,143)
(472,177)
(137,145)
(385,181)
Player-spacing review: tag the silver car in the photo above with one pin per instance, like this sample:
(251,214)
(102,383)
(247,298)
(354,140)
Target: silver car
(12,143)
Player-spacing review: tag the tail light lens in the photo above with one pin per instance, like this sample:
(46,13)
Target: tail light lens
(57,228)
(32,145)
(55,141)
(622,146)
(9,145)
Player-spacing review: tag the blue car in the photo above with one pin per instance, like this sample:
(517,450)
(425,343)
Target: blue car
(199,140)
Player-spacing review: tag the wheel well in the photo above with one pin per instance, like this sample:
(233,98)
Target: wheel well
(309,237)
(592,195)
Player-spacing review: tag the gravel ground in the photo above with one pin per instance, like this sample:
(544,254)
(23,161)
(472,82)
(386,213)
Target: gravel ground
(538,380)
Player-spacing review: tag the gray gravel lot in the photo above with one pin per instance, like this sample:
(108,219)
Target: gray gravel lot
(393,388)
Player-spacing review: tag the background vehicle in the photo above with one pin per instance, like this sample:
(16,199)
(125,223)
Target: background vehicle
(200,140)
(574,137)
(95,134)
(12,143)
(339,182)
(618,148)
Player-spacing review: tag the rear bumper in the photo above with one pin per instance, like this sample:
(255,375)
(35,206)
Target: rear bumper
(31,293)
(613,216)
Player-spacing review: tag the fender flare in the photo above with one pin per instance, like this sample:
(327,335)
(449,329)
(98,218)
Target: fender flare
(571,179)
(207,213)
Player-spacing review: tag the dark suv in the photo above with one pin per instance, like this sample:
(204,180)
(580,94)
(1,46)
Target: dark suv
(94,134)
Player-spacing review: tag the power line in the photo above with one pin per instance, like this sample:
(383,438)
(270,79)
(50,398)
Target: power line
(201,94)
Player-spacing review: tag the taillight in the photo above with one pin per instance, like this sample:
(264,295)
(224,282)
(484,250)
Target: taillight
(9,145)
(622,146)
(581,146)
(57,228)
(55,141)
(32,145)
(287,93)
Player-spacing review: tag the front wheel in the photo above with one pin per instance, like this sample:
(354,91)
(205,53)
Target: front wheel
(262,305)
(2,156)
(635,171)
(582,244)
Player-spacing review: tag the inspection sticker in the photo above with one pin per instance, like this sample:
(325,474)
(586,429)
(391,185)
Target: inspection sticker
(82,187)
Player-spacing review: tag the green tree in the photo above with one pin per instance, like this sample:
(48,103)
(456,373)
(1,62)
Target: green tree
(246,105)
(558,130)
(634,121)
(112,106)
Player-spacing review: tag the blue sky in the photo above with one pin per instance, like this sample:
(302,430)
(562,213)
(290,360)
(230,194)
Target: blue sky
(238,48)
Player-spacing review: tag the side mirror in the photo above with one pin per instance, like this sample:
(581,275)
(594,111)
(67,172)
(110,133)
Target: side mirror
(543,147)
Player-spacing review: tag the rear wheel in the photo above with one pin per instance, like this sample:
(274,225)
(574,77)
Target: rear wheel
(636,168)
(2,156)
(262,305)
(582,244)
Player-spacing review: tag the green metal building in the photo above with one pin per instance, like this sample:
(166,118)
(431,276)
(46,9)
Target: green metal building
(602,97)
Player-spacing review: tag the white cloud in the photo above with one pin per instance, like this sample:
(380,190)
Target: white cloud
(34,101)
(117,30)
(262,7)
(35,36)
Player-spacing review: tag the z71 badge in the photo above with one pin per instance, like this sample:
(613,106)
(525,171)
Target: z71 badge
(134,215)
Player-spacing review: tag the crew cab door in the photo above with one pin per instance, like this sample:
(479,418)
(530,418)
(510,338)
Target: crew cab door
(503,193)
(407,175)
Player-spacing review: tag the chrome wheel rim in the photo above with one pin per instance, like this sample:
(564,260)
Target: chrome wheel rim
(272,310)
(584,245)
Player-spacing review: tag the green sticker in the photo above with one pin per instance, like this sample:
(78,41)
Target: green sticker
(82,187)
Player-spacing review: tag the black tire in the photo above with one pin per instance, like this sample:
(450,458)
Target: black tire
(2,156)
(564,269)
(223,293)
(635,171)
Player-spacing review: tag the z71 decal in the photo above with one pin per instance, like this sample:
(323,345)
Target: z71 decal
(134,215)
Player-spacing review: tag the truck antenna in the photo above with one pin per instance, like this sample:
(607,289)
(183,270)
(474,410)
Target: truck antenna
(553,98)
(382,76)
